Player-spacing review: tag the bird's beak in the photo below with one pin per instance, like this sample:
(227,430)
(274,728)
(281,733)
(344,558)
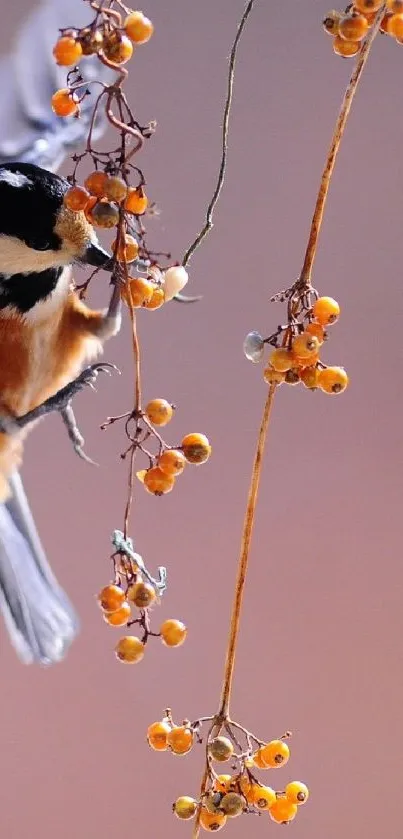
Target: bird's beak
(96,256)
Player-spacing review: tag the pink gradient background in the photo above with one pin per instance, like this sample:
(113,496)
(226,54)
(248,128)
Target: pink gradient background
(320,648)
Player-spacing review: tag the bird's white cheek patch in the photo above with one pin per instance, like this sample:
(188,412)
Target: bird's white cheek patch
(17,258)
(54,302)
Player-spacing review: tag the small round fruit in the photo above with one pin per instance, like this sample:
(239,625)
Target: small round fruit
(326,310)
(173,632)
(175,279)
(118,48)
(281,359)
(212,802)
(111,598)
(212,821)
(157,734)
(157,300)
(305,345)
(67,51)
(105,214)
(64,103)
(275,754)
(272,376)
(232,804)
(333,380)
(258,760)
(297,792)
(185,807)
(172,461)
(395,26)
(384,25)
(346,49)
(365,6)
(283,811)
(141,292)
(128,249)
(353,27)
(301,363)
(138,27)
(118,618)
(263,797)
(247,788)
(136,201)
(221,748)
(159,411)
(309,377)
(196,448)
(394,6)
(222,783)
(130,649)
(158,482)
(317,330)
(91,41)
(331,22)
(76,198)
(95,184)
(180,739)
(141,594)
(115,188)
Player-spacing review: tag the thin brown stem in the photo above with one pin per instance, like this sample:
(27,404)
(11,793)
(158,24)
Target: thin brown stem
(333,150)
(244,557)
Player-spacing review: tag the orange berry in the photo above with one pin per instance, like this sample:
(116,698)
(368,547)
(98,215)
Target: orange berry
(120,617)
(111,598)
(309,377)
(138,27)
(95,184)
(263,797)
(128,249)
(158,482)
(141,292)
(317,330)
(258,760)
(283,811)
(305,345)
(222,783)
(326,310)
(157,299)
(281,359)
(331,22)
(274,754)
(105,215)
(247,788)
(172,461)
(185,807)
(64,103)
(221,748)
(136,202)
(394,6)
(67,51)
(353,27)
(365,6)
(297,792)
(141,594)
(157,734)
(159,411)
(130,649)
(91,41)
(115,188)
(232,804)
(89,208)
(76,198)
(180,739)
(333,379)
(272,376)
(395,26)
(384,25)
(173,632)
(196,448)
(345,48)
(118,48)
(309,361)
(212,821)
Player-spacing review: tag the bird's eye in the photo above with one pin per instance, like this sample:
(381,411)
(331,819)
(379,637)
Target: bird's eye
(38,244)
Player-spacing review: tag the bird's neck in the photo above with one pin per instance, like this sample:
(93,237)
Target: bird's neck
(24,291)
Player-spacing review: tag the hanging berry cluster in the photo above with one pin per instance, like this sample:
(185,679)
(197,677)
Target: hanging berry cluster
(297,344)
(230,795)
(349,28)
(111,196)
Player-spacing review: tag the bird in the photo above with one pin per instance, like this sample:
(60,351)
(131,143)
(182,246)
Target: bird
(49,338)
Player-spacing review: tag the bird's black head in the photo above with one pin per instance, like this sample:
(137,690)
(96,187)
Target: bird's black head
(37,232)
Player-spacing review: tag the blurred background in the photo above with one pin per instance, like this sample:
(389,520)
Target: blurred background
(320,647)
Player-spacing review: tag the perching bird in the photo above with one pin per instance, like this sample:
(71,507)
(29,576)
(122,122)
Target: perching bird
(47,335)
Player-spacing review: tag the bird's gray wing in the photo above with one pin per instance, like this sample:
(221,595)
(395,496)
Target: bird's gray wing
(29,130)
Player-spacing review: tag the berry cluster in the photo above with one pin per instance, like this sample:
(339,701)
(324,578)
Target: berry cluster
(230,795)
(295,358)
(349,28)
